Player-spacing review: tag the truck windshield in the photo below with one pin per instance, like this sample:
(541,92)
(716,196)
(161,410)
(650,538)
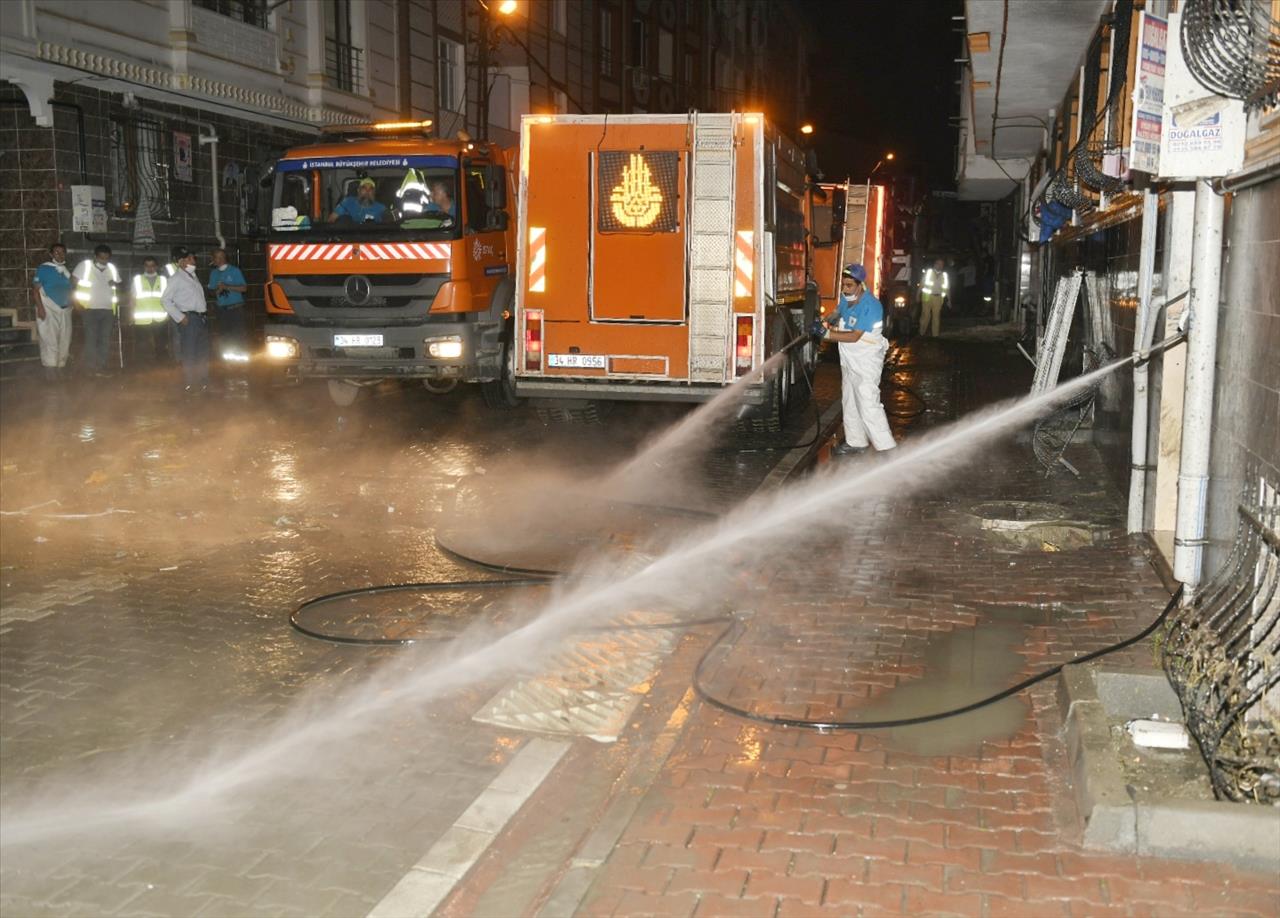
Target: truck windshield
(398,195)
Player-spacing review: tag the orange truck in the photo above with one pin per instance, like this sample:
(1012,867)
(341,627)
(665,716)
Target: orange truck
(848,225)
(389,256)
(659,258)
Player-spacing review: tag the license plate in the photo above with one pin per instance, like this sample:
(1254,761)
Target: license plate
(357,340)
(576,361)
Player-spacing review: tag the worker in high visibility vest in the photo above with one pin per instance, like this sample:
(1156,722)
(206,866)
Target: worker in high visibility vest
(96,283)
(933,290)
(150,334)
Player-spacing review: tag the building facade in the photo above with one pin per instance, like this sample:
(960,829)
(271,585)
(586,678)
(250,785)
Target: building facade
(1069,143)
(148,123)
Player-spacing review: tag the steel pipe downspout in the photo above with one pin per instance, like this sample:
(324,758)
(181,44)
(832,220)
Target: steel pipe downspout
(212,140)
(1144,334)
(1197,419)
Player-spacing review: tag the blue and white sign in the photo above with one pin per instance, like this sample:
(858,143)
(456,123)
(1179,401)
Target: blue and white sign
(1202,134)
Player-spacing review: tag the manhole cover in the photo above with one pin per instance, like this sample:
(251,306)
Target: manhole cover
(1016,514)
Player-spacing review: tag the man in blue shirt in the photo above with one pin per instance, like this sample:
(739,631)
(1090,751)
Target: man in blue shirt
(361,207)
(53,313)
(858,327)
(228,284)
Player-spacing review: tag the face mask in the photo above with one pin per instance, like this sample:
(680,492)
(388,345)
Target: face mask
(190,269)
(59,259)
(149,273)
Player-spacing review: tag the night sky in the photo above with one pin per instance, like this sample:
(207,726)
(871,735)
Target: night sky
(883,77)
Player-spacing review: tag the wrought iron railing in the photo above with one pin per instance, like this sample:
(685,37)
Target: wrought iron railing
(1222,654)
(343,65)
(251,12)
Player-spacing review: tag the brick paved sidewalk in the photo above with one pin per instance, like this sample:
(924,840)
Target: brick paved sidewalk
(968,816)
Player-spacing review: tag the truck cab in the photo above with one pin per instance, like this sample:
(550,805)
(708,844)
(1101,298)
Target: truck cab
(389,256)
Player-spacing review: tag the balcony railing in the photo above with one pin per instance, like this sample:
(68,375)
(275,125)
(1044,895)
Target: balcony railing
(343,65)
(251,12)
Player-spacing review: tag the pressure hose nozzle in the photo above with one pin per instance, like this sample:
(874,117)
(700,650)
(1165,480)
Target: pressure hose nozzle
(1144,356)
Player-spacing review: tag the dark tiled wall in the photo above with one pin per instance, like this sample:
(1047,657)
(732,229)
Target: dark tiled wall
(39,165)
(1246,402)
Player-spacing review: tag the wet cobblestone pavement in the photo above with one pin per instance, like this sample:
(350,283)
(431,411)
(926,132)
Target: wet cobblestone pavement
(145,654)
(152,549)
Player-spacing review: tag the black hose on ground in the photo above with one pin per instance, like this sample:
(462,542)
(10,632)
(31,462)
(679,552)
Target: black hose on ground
(733,627)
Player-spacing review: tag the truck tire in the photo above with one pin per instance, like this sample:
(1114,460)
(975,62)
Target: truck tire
(500,394)
(343,393)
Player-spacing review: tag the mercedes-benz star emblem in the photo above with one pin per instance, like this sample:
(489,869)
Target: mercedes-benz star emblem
(358,289)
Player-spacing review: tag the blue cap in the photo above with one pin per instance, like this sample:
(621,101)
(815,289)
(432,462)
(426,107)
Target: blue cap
(857,272)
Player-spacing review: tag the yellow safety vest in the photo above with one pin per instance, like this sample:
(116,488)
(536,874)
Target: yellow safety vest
(84,285)
(147,292)
(935,282)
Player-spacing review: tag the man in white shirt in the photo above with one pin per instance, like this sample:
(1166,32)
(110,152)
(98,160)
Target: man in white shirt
(183,300)
(96,282)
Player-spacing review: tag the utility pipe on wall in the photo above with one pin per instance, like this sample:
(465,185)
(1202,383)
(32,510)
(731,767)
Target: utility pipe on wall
(1197,418)
(212,139)
(1144,333)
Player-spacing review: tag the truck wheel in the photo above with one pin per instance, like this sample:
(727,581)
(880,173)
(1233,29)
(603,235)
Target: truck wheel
(343,393)
(501,393)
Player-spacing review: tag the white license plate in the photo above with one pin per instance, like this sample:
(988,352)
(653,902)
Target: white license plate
(357,340)
(576,361)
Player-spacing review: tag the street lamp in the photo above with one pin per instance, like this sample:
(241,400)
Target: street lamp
(806,128)
(887,158)
(503,8)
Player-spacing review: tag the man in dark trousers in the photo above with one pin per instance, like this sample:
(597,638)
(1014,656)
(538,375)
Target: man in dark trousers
(228,284)
(184,302)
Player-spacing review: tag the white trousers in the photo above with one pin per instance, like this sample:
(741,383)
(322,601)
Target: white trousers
(860,366)
(54,332)
(930,314)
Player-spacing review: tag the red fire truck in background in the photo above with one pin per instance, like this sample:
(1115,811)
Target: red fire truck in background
(406,277)
(659,258)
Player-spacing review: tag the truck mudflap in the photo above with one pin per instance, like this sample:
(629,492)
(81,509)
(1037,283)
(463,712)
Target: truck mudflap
(400,351)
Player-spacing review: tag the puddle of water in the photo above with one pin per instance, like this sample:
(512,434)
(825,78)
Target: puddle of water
(961,666)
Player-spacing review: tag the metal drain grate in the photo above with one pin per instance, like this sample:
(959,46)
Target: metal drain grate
(589,689)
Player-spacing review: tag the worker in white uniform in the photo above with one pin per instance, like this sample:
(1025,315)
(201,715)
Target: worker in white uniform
(183,300)
(857,326)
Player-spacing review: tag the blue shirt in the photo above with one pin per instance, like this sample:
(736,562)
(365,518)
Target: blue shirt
(864,315)
(232,276)
(361,213)
(55,284)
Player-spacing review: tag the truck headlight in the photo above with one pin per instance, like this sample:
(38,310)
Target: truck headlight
(446,348)
(279,348)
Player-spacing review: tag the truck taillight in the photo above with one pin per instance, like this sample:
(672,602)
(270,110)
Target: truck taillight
(533,340)
(745,327)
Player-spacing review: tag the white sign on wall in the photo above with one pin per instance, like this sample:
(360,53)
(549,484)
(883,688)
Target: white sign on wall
(1202,134)
(88,209)
(1148,93)
(181,156)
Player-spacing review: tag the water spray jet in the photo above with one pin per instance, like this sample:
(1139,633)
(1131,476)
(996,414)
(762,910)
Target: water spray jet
(698,568)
